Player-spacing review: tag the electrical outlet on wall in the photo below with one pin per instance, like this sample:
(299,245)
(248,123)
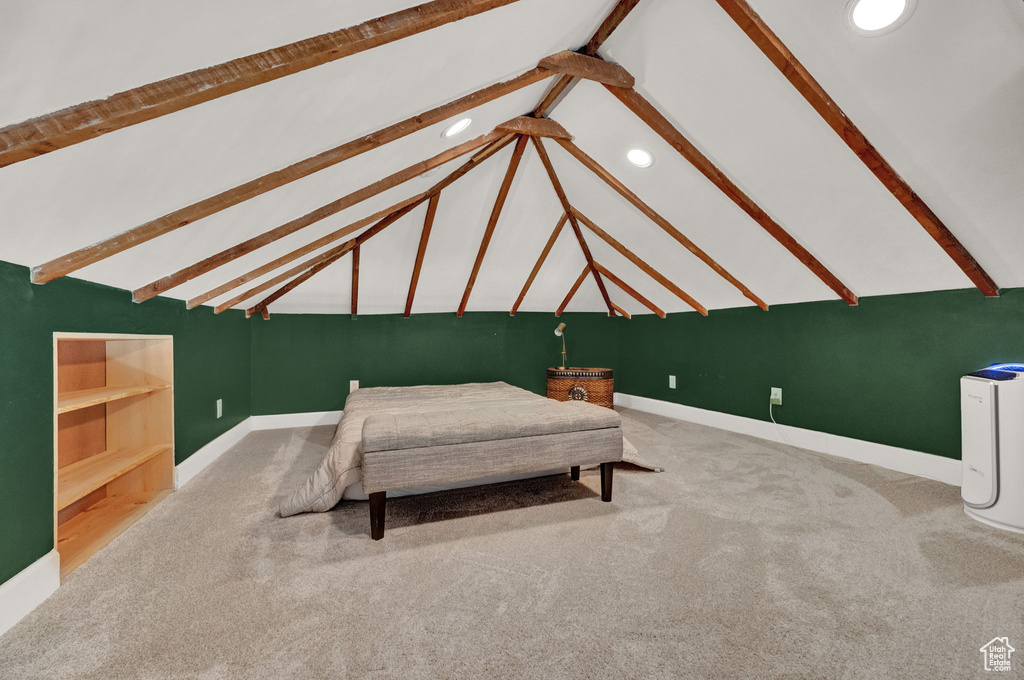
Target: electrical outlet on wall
(776,396)
(671,382)
(220,407)
(353,385)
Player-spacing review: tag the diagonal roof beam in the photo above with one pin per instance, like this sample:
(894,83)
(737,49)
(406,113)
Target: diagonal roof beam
(650,115)
(492,222)
(640,263)
(777,52)
(345,231)
(85,121)
(83,257)
(647,210)
(319,267)
(546,160)
(629,290)
(588,68)
(428,225)
(572,291)
(621,311)
(535,127)
(355,281)
(540,262)
(561,87)
(210,263)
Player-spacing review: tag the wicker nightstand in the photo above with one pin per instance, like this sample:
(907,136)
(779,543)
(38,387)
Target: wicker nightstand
(595,385)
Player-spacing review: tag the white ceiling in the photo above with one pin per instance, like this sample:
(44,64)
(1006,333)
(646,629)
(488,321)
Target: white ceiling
(942,98)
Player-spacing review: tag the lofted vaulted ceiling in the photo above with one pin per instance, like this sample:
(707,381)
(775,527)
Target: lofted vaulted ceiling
(941,98)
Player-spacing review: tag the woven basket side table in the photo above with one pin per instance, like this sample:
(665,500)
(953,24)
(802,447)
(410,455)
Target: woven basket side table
(595,385)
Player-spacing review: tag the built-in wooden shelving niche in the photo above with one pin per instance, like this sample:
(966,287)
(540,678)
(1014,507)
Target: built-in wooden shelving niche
(114,436)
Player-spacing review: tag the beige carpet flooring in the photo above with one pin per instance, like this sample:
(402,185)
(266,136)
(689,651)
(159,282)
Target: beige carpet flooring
(745,559)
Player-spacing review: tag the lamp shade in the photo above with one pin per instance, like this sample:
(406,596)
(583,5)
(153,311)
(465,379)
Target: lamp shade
(560,329)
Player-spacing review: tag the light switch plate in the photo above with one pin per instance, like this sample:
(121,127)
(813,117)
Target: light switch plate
(220,408)
(671,382)
(353,385)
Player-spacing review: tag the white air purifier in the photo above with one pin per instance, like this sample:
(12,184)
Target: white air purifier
(992,415)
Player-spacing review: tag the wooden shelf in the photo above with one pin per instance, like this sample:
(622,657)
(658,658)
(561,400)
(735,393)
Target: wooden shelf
(82,478)
(85,533)
(72,401)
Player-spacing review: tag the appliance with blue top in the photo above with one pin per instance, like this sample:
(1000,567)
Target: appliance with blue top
(992,417)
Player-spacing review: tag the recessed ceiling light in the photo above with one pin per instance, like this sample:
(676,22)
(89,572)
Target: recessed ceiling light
(875,17)
(640,157)
(456,127)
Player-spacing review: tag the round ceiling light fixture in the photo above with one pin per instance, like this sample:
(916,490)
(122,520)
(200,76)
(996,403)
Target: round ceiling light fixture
(456,127)
(640,157)
(876,17)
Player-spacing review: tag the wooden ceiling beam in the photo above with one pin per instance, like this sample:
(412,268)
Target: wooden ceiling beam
(567,207)
(473,162)
(540,262)
(492,222)
(428,225)
(649,114)
(621,311)
(535,127)
(589,68)
(355,281)
(561,87)
(79,123)
(640,263)
(210,263)
(324,264)
(587,269)
(647,210)
(795,72)
(83,257)
(629,290)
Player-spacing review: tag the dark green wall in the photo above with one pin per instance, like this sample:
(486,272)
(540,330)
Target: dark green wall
(304,362)
(211,361)
(886,371)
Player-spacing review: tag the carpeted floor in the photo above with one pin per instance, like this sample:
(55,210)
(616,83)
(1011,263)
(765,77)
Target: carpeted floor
(745,559)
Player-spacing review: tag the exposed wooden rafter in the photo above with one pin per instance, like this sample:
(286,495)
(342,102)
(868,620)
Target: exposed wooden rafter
(562,85)
(647,210)
(535,127)
(85,121)
(341,233)
(540,262)
(587,269)
(589,68)
(567,207)
(783,59)
(355,281)
(621,311)
(640,263)
(654,119)
(492,222)
(421,251)
(179,218)
(629,290)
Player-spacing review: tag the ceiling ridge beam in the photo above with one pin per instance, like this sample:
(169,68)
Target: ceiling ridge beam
(656,121)
(236,251)
(540,262)
(108,247)
(589,68)
(75,124)
(473,162)
(567,207)
(535,127)
(587,269)
(653,215)
(778,54)
(560,88)
(629,290)
(640,263)
(327,262)
(421,251)
(492,222)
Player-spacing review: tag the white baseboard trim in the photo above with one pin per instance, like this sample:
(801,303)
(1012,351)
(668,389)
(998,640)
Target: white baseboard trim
(194,464)
(917,463)
(27,590)
(282,420)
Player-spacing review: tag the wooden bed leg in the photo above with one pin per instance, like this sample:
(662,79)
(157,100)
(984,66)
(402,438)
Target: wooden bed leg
(606,481)
(574,472)
(378,503)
